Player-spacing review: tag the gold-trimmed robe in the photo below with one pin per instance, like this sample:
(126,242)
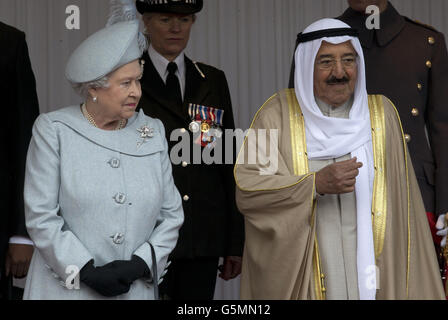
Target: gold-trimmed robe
(281,255)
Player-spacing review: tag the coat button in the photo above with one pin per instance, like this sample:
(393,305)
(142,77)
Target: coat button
(120,198)
(415,112)
(431,40)
(429,64)
(118,238)
(407,138)
(419,86)
(114,163)
(184,164)
(183,130)
(186,198)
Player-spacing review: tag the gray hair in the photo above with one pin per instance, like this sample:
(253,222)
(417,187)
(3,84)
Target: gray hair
(83,88)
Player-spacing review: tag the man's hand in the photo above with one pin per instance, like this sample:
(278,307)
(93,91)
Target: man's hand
(18,260)
(337,178)
(442,226)
(231,267)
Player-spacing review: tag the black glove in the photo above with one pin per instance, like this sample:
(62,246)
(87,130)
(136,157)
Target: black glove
(129,271)
(114,278)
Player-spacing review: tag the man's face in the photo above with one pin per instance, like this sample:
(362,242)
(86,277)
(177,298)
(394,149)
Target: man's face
(168,32)
(335,73)
(361,5)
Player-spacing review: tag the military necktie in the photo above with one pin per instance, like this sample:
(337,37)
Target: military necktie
(173,85)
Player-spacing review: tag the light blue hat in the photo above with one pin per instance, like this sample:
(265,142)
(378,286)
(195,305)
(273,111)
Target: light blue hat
(119,43)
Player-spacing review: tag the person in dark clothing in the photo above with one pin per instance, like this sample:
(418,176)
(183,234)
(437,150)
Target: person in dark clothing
(20,103)
(193,101)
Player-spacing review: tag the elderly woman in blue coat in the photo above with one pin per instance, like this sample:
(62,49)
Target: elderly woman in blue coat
(99,194)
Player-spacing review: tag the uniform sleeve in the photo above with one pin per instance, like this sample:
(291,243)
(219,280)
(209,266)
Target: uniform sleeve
(235,242)
(58,246)
(26,111)
(438,122)
(166,232)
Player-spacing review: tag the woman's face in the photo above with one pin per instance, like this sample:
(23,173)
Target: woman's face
(169,32)
(120,99)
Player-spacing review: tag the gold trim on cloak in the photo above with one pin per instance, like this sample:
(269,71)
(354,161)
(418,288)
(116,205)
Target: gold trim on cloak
(298,139)
(379,197)
(300,161)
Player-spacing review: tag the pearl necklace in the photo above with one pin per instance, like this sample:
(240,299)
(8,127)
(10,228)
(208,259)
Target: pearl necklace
(121,124)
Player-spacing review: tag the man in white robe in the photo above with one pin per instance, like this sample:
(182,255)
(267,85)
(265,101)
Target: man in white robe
(342,216)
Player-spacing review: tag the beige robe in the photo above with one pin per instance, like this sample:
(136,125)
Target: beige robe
(281,255)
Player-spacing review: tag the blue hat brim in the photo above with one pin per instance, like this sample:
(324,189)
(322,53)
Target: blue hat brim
(104,51)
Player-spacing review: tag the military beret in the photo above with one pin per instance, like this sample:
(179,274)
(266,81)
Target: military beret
(169,6)
(104,51)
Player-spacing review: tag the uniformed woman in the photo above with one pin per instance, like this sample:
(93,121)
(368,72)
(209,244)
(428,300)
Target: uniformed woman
(193,101)
(101,205)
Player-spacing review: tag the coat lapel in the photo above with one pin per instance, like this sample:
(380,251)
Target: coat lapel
(197,88)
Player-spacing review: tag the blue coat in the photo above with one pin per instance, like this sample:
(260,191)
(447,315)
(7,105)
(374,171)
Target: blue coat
(96,194)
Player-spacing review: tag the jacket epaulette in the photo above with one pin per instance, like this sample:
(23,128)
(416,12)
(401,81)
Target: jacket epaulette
(199,69)
(417,22)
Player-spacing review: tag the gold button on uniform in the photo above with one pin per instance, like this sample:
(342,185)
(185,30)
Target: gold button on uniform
(428,64)
(431,40)
(415,112)
(419,86)
(186,198)
(184,164)
(407,138)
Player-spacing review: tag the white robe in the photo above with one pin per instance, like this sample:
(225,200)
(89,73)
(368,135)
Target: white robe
(336,228)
